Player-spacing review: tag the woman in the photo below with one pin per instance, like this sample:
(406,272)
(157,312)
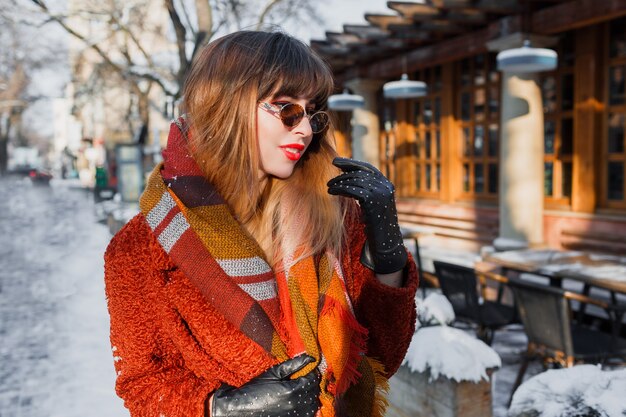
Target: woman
(249,284)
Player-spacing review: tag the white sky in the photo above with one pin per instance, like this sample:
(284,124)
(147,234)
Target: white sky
(336,13)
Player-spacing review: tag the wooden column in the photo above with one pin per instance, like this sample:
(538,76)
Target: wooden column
(451,183)
(521,161)
(587,123)
(365,123)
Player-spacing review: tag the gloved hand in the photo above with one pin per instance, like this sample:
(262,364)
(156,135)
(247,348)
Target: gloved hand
(384,251)
(272,393)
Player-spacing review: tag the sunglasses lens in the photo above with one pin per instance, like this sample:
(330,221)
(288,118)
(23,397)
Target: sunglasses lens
(319,121)
(291,114)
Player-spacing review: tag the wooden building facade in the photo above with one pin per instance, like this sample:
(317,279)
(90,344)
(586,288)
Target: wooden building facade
(454,154)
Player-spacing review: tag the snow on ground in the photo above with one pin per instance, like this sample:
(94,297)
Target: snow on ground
(574,391)
(446,351)
(451,353)
(55,357)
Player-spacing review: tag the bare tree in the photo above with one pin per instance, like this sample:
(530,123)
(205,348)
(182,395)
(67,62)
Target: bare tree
(121,36)
(19,60)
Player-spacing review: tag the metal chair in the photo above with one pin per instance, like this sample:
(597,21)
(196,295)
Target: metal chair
(546,315)
(460,285)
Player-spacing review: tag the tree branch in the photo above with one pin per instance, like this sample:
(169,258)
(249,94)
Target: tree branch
(181,34)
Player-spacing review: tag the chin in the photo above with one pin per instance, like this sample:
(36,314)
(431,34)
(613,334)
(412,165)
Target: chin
(282,174)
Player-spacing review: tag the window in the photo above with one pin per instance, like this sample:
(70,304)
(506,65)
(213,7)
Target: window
(478,104)
(388,138)
(426,135)
(615,119)
(557,90)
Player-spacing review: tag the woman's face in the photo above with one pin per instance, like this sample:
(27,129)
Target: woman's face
(280,147)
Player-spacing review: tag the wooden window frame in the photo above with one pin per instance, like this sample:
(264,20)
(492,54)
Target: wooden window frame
(558,198)
(421,157)
(492,82)
(609,109)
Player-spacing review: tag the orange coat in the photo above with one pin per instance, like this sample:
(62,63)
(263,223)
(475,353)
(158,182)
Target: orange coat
(171,348)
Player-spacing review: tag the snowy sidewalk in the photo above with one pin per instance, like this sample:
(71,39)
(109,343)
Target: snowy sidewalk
(55,355)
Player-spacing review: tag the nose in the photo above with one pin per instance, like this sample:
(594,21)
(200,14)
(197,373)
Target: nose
(304,127)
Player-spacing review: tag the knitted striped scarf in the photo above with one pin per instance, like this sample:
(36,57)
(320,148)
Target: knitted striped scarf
(304,307)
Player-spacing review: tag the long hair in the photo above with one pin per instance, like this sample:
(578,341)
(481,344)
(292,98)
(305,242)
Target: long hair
(221,96)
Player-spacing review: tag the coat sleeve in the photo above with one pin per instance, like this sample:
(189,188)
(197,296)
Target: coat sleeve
(387,312)
(152,378)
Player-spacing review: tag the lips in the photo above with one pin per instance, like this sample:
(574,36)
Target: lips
(293,151)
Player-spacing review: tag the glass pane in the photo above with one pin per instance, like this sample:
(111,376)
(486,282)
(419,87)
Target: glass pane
(548,92)
(616,132)
(479,69)
(437,110)
(616,85)
(617,41)
(467,142)
(418,177)
(479,178)
(417,112)
(465,106)
(547,178)
(438,176)
(567,136)
(494,101)
(493,140)
(427,143)
(466,76)
(494,74)
(428,112)
(438,144)
(437,74)
(479,140)
(548,137)
(567,89)
(567,179)
(417,145)
(616,181)
(427,177)
(493,178)
(466,177)
(567,53)
(479,104)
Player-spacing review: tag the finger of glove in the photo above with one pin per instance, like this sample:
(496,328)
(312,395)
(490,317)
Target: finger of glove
(306,388)
(359,176)
(287,368)
(358,193)
(348,165)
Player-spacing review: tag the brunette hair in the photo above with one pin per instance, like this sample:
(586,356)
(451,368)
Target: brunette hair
(227,80)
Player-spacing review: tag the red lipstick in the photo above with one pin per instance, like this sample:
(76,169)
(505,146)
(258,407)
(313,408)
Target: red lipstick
(293,151)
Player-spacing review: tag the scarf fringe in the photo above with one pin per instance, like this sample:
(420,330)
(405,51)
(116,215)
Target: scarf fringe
(381,402)
(358,344)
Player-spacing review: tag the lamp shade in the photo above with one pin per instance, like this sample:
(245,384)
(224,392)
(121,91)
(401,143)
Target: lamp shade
(345,101)
(527,59)
(404,88)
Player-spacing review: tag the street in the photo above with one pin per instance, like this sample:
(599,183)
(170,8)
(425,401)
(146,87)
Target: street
(55,356)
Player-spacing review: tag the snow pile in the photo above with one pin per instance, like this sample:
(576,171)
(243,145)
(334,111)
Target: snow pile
(434,310)
(577,391)
(446,351)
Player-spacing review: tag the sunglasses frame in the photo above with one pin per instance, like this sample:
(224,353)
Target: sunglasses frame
(276,110)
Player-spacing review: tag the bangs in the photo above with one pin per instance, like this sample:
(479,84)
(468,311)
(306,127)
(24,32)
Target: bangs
(294,70)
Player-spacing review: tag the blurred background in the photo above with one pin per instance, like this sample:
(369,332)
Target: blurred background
(87,93)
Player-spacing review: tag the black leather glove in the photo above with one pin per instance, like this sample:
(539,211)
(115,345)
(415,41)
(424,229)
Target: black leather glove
(272,393)
(384,251)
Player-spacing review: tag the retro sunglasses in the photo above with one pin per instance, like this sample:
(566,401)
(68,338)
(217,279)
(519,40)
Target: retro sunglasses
(291,114)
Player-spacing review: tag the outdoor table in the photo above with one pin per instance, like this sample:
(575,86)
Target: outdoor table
(556,265)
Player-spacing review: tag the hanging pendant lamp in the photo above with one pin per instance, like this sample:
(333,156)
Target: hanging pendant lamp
(527,59)
(345,101)
(404,88)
